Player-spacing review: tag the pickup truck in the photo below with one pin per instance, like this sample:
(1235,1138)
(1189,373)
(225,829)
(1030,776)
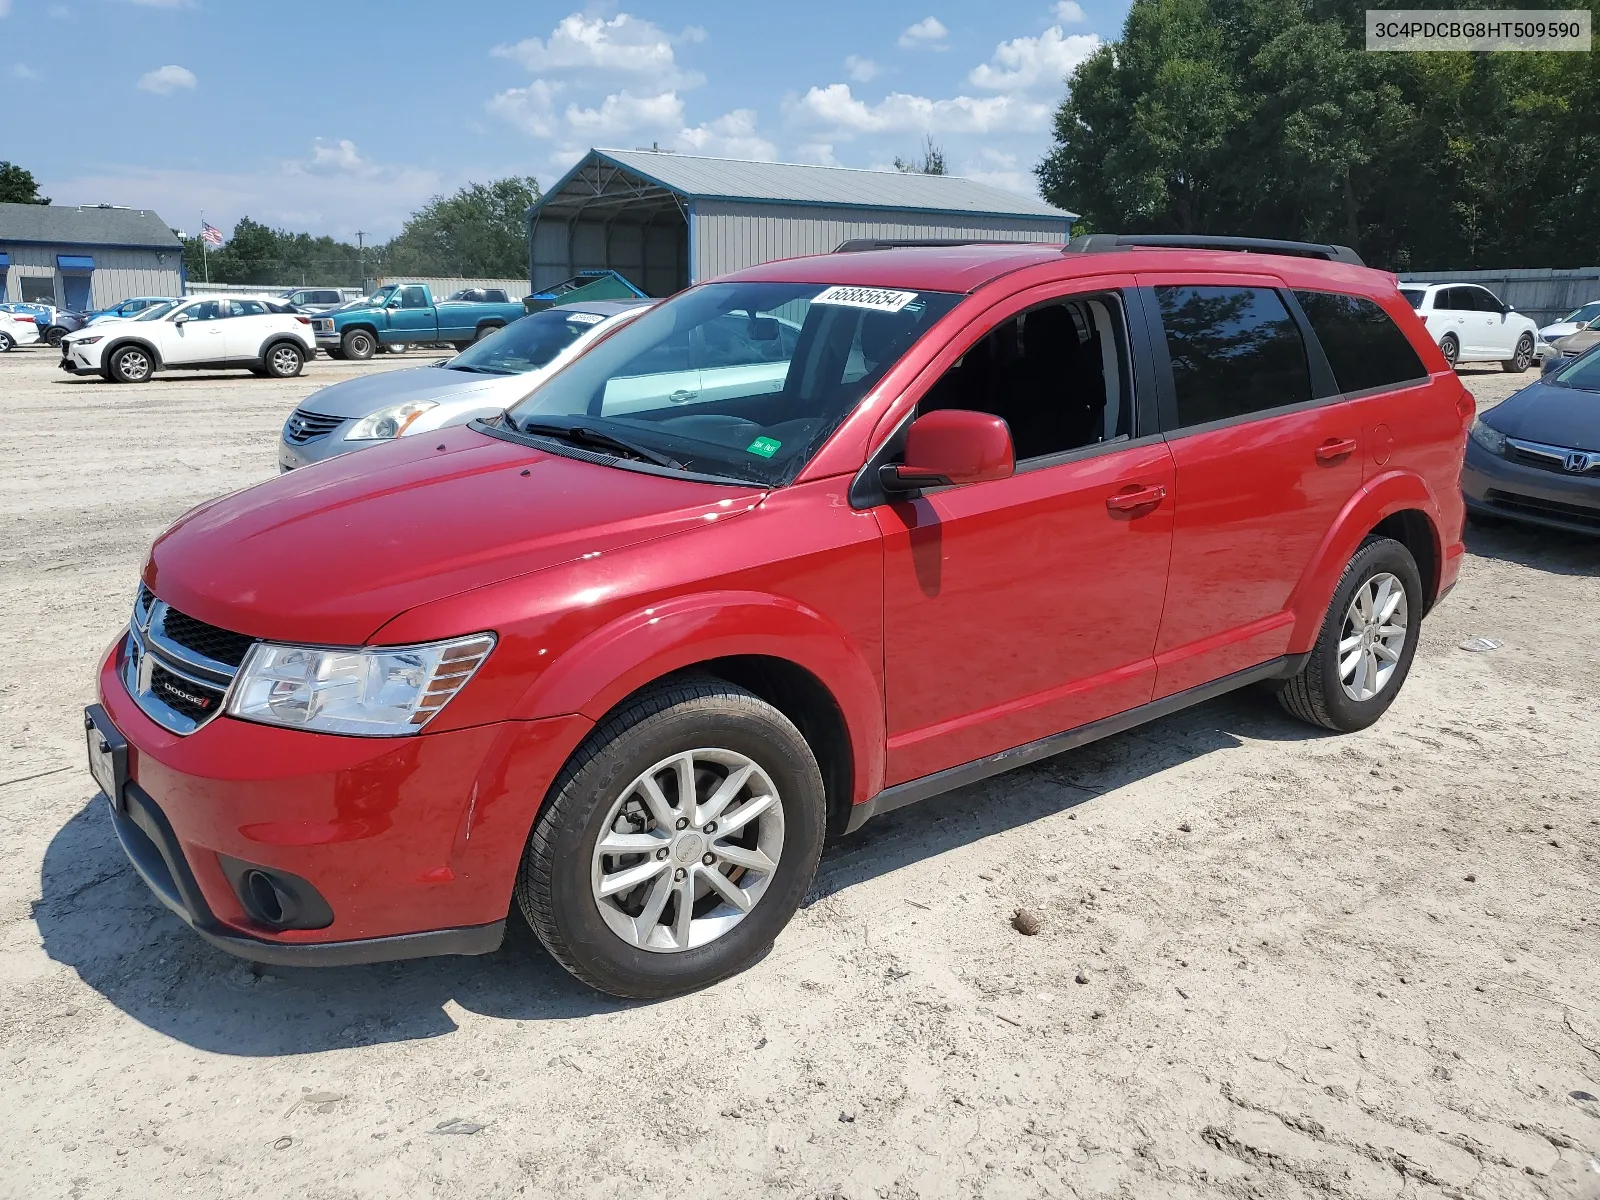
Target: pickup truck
(405,314)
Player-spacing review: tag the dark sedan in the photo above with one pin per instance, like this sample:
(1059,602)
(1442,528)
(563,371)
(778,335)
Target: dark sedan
(1536,457)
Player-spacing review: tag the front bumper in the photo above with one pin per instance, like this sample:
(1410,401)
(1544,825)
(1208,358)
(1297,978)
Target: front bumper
(79,360)
(318,449)
(1497,487)
(411,843)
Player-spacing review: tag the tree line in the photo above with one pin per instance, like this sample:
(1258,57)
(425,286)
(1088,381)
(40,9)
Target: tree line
(1270,118)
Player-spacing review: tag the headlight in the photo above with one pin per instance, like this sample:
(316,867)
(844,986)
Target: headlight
(89,341)
(392,422)
(380,691)
(1488,437)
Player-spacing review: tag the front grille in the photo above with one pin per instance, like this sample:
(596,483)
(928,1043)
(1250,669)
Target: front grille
(303,426)
(1536,506)
(1544,462)
(194,700)
(216,644)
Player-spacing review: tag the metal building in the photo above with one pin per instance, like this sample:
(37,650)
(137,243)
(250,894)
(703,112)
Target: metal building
(87,257)
(667,220)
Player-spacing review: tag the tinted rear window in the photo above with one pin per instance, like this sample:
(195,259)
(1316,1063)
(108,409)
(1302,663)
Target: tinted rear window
(1364,346)
(1234,351)
(1413,296)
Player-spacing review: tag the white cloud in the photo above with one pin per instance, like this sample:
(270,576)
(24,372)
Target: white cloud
(1070,12)
(820,153)
(732,135)
(837,109)
(1030,63)
(531,109)
(927,34)
(624,45)
(340,157)
(167,79)
(623,113)
(860,70)
(23,71)
(5,8)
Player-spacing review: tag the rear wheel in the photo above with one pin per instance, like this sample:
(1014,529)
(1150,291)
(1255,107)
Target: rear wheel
(1524,356)
(677,843)
(5,342)
(359,345)
(1451,348)
(132,364)
(333,353)
(284,360)
(484,331)
(460,346)
(54,334)
(1368,638)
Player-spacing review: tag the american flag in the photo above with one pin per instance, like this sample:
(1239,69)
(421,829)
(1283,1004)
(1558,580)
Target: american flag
(210,234)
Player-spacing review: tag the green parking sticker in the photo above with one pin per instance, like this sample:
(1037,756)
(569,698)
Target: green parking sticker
(764,446)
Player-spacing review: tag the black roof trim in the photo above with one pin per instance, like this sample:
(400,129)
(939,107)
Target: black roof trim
(1100,243)
(858,244)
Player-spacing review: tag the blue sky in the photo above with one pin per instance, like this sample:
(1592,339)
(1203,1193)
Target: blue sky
(335,117)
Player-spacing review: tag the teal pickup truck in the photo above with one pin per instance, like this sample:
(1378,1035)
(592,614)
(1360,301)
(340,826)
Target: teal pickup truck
(405,314)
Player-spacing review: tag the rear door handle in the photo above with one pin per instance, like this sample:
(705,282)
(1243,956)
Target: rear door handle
(1137,496)
(1335,448)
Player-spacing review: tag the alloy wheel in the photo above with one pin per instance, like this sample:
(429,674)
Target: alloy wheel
(1373,636)
(285,362)
(1524,357)
(133,365)
(1451,348)
(687,850)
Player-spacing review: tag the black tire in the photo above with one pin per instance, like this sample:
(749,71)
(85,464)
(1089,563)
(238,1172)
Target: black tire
(54,334)
(485,330)
(554,887)
(358,344)
(6,343)
(460,346)
(1524,358)
(131,364)
(283,360)
(1316,695)
(1451,348)
(338,355)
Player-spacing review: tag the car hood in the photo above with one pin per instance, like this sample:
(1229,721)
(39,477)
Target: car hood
(367,393)
(1546,412)
(330,553)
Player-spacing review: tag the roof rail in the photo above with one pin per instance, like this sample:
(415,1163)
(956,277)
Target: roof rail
(1099,243)
(857,244)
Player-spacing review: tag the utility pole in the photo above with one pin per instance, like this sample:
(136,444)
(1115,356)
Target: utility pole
(361,255)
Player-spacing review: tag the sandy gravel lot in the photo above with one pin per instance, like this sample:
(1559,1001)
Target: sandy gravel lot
(1272,963)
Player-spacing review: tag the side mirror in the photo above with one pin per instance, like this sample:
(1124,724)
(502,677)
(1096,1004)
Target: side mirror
(181,319)
(952,446)
(395,303)
(1550,364)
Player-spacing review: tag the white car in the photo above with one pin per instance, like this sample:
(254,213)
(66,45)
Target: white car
(1471,324)
(201,332)
(17,329)
(1578,318)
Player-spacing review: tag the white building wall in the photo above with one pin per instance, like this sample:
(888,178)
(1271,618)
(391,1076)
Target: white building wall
(118,273)
(727,236)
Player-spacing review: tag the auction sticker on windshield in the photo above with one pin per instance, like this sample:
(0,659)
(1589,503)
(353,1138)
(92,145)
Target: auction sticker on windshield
(877,299)
(583,318)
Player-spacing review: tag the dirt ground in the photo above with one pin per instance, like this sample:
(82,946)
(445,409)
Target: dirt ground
(1272,963)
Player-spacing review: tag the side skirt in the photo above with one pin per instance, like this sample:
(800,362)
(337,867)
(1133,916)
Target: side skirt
(913,790)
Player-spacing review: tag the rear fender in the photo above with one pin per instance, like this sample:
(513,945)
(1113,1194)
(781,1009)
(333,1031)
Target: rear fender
(1382,496)
(596,673)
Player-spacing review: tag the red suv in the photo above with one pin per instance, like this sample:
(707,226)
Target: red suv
(799,545)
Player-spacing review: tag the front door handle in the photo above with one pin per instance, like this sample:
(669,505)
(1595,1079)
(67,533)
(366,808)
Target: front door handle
(1335,448)
(682,397)
(1136,497)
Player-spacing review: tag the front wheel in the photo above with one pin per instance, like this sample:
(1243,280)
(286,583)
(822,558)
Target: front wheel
(677,843)
(132,364)
(359,345)
(284,361)
(1451,348)
(5,342)
(1368,638)
(1524,358)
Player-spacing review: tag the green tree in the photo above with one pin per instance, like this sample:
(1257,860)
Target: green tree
(479,232)
(18,186)
(932,161)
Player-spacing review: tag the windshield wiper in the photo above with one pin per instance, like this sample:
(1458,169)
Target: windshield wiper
(475,370)
(583,435)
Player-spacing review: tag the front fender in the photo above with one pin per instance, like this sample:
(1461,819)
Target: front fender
(142,343)
(1382,496)
(594,675)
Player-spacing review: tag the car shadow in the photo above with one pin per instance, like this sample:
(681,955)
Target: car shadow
(97,917)
(1534,546)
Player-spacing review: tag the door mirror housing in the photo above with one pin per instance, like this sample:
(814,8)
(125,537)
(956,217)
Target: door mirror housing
(952,446)
(395,303)
(181,319)
(1550,364)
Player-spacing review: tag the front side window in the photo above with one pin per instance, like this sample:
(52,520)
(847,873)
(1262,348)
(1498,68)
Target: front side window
(526,344)
(1056,374)
(1234,351)
(1486,301)
(159,311)
(204,310)
(741,380)
(1364,346)
(413,297)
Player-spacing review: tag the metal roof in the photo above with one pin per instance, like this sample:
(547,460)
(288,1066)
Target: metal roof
(609,179)
(89,225)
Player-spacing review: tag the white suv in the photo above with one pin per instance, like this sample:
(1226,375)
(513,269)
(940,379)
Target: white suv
(1471,324)
(206,331)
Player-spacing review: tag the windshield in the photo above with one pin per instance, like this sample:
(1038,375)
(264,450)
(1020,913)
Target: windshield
(1413,296)
(1582,316)
(159,311)
(1583,374)
(528,343)
(738,379)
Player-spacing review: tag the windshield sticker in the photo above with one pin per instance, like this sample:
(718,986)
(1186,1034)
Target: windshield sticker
(877,299)
(578,318)
(764,446)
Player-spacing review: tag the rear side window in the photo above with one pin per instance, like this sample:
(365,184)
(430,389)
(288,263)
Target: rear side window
(1364,346)
(1234,351)
(1413,296)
